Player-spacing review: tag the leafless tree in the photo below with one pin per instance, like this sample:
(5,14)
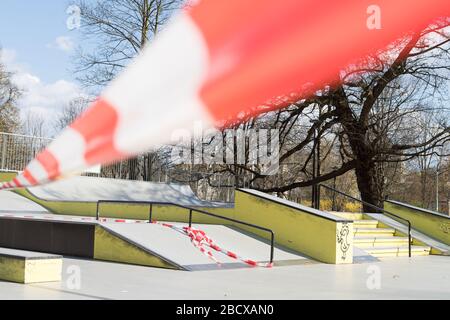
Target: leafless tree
(9,94)
(34,124)
(70,112)
(119,29)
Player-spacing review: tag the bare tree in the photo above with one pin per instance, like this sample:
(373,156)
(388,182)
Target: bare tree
(70,112)
(119,29)
(34,124)
(9,94)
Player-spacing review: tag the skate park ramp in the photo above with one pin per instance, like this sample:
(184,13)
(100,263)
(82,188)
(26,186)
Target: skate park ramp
(11,202)
(176,248)
(78,195)
(92,189)
(295,227)
(136,243)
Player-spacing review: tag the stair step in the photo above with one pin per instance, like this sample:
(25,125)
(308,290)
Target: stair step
(398,251)
(373,231)
(365,223)
(370,241)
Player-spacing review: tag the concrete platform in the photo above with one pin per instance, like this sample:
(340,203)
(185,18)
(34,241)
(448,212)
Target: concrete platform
(399,278)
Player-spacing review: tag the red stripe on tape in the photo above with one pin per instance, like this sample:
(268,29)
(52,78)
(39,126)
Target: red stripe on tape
(27,175)
(97,126)
(251,262)
(17,183)
(49,163)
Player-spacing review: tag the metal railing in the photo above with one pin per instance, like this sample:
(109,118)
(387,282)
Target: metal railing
(381,210)
(191,210)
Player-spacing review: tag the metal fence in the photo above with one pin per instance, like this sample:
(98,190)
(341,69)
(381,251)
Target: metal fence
(17,150)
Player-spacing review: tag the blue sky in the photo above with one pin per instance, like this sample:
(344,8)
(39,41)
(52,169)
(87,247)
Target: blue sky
(37,47)
(30,28)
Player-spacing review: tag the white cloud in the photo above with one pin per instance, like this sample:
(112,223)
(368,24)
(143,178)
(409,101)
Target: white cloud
(62,43)
(46,99)
(7,56)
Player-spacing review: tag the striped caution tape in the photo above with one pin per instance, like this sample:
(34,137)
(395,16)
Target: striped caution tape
(80,219)
(199,239)
(219,61)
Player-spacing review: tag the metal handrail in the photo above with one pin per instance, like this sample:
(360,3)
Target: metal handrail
(377,208)
(191,210)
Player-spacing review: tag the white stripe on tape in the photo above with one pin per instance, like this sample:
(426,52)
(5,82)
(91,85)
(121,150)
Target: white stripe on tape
(158,93)
(69,151)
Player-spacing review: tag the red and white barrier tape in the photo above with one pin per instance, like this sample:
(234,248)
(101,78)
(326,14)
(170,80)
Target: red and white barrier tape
(199,239)
(81,219)
(221,59)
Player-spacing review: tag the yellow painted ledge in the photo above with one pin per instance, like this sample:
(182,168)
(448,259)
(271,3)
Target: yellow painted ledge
(432,224)
(17,269)
(322,239)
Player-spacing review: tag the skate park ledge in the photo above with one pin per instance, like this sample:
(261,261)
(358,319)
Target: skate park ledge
(432,223)
(29,267)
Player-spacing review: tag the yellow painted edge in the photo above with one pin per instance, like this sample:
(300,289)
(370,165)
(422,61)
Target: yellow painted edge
(12,269)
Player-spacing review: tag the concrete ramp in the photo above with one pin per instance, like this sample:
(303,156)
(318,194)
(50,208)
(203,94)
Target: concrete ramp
(92,189)
(12,202)
(176,249)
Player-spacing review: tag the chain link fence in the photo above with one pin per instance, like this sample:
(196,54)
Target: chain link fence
(17,150)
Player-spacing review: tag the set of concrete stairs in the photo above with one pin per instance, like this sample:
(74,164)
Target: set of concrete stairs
(380,240)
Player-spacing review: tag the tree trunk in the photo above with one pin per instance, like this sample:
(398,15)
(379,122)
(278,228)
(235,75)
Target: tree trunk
(369,184)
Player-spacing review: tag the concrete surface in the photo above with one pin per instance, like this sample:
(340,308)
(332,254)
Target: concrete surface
(400,278)
(31,255)
(92,189)
(177,247)
(10,202)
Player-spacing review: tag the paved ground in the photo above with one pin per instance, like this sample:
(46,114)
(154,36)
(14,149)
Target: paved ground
(396,278)
(399,278)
